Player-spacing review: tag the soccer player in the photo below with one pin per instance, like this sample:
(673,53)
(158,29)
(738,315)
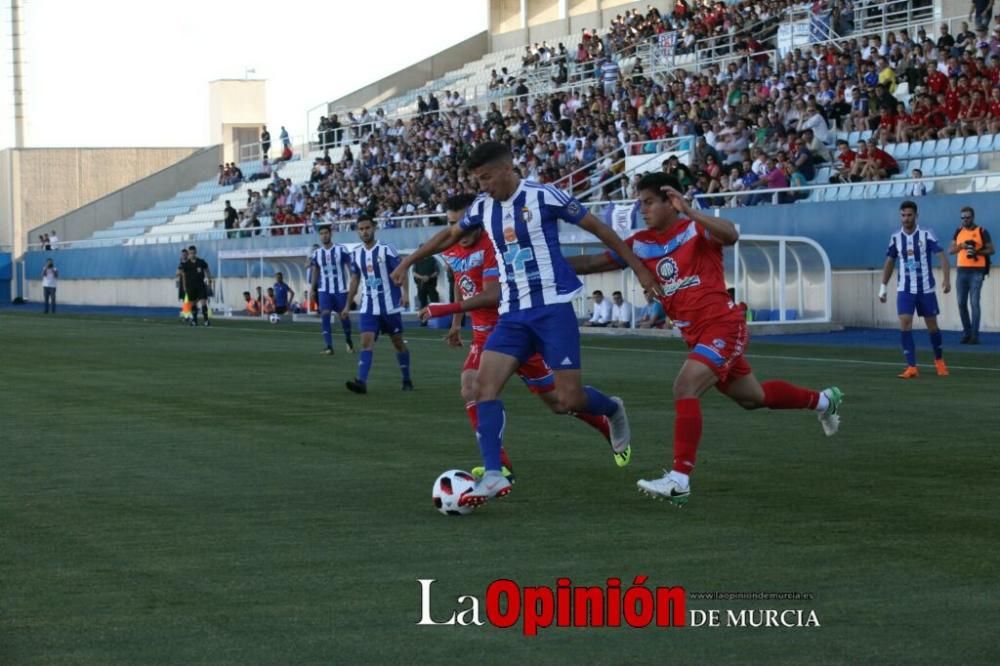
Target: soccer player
(382,301)
(283,294)
(477,290)
(181,294)
(521,218)
(684,249)
(330,266)
(196,278)
(913,247)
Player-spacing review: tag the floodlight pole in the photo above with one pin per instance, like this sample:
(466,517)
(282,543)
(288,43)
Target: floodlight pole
(17,61)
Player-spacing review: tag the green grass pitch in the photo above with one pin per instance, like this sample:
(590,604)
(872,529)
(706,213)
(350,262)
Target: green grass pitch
(216,496)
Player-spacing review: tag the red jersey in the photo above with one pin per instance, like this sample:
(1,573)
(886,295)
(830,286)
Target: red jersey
(688,263)
(473,267)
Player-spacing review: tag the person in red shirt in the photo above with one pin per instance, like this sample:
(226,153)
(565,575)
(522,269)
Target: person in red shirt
(477,291)
(936,81)
(879,164)
(974,115)
(683,247)
(994,110)
(845,163)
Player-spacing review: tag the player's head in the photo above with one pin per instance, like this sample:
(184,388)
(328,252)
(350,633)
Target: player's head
(192,251)
(279,277)
(654,204)
(908,215)
(184,254)
(325,234)
(246,295)
(493,166)
(366,229)
(968,216)
(454,210)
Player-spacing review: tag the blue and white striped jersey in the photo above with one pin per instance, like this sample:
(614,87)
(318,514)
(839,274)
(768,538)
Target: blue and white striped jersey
(334,266)
(379,294)
(914,253)
(525,234)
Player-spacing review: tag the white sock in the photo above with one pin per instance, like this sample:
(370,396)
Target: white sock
(682,479)
(823,403)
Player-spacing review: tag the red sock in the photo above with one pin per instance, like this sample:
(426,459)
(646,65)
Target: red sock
(598,423)
(470,409)
(782,395)
(687,433)
(504,460)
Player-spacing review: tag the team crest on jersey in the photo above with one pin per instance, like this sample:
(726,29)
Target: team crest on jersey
(667,269)
(467,287)
(526,215)
(509,235)
(573,208)
(719,343)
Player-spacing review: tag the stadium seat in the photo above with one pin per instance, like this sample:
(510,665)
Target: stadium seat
(762,315)
(940,167)
(775,315)
(871,191)
(992,184)
(914,149)
(956,165)
(853,138)
(884,190)
(942,147)
(956,146)
(843,193)
(791,315)
(971,163)
(897,150)
(985,143)
(927,166)
(898,189)
(856,192)
(928,149)
(931,186)
(822,176)
(867,135)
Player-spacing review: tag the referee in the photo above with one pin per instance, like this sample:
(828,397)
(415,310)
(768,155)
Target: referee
(196,277)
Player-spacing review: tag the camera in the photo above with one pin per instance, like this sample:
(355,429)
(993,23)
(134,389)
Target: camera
(970,249)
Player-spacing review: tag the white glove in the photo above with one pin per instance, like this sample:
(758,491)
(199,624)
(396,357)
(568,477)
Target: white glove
(881,291)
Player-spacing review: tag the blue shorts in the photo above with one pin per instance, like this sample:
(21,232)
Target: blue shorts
(549,330)
(332,302)
(925,305)
(390,324)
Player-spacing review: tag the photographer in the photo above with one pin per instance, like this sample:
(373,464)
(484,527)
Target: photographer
(973,246)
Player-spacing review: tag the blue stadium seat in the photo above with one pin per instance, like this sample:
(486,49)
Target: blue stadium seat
(914,150)
(928,149)
(985,143)
(775,315)
(822,176)
(940,167)
(857,192)
(970,144)
(898,189)
(867,135)
(843,193)
(956,165)
(791,315)
(955,147)
(852,138)
(897,150)
(971,163)
(942,147)
(762,315)
(871,191)
(884,190)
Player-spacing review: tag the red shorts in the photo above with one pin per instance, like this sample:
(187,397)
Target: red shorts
(721,346)
(534,372)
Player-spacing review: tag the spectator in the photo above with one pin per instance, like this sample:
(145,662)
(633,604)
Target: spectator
(251,305)
(50,278)
(282,294)
(265,171)
(230,219)
(286,142)
(425,274)
(268,304)
(53,240)
(974,247)
(652,314)
(265,141)
(917,189)
(601,316)
(621,311)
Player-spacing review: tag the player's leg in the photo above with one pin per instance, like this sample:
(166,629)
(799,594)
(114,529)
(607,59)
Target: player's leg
(743,388)
(340,302)
(326,309)
(927,307)
(193,299)
(906,305)
(540,380)
(393,326)
(508,346)
(204,310)
(470,387)
(557,335)
(369,332)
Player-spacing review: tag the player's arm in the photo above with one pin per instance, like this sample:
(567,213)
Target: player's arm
(722,230)
(619,247)
(352,291)
(488,298)
(890,264)
(584,264)
(945,272)
(437,243)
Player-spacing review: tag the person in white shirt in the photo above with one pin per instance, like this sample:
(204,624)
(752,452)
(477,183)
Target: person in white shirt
(50,275)
(54,240)
(621,311)
(602,311)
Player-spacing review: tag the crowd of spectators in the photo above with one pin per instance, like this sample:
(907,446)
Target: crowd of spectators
(760,121)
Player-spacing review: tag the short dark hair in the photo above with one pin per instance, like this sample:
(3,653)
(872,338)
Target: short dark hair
(655,181)
(911,205)
(968,209)
(459,202)
(484,153)
(616,293)
(192,248)
(597,292)
(365,217)
(324,227)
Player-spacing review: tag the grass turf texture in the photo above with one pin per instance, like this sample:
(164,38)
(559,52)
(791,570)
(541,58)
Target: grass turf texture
(214,496)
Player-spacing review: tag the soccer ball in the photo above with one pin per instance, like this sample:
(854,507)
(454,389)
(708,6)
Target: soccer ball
(449,488)
(274,318)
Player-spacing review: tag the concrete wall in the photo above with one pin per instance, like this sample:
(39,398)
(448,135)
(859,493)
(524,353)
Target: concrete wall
(139,195)
(854,296)
(413,76)
(544,23)
(237,104)
(49,182)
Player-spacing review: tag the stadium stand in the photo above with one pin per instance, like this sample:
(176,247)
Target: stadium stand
(575,111)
